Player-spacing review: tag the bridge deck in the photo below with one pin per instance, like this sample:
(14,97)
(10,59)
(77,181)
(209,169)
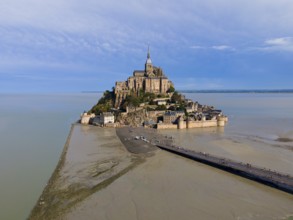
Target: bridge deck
(268,177)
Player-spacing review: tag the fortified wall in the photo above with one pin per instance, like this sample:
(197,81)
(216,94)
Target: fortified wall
(219,122)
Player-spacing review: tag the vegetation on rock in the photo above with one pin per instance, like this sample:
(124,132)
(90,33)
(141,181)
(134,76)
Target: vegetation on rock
(176,98)
(105,103)
(171,89)
(135,99)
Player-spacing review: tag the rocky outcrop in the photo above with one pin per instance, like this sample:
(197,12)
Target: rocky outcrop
(134,118)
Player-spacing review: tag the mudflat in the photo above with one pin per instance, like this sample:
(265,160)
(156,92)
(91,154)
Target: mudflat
(117,174)
(92,159)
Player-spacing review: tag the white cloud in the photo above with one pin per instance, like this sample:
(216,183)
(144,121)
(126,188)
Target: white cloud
(283,41)
(281,44)
(222,47)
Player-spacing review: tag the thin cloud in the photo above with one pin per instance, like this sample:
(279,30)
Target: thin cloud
(195,47)
(223,47)
(216,47)
(62,34)
(281,44)
(283,41)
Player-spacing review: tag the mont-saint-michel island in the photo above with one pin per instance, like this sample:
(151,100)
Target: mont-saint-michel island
(133,156)
(148,98)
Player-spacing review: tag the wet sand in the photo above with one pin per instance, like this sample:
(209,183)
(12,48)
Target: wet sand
(92,159)
(139,140)
(171,187)
(245,148)
(100,179)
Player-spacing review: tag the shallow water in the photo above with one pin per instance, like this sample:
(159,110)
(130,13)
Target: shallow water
(33,131)
(256,121)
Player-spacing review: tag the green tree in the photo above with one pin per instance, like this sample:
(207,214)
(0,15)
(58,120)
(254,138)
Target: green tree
(135,101)
(148,97)
(171,89)
(172,108)
(141,93)
(99,108)
(107,97)
(181,107)
(131,100)
(176,97)
(105,103)
(161,107)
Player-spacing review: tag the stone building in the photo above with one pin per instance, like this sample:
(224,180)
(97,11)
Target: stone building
(103,119)
(151,79)
(86,117)
(171,117)
(191,107)
(107,117)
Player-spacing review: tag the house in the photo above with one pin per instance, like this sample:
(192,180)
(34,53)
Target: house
(191,107)
(169,117)
(161,102)
(107,117)
(179,113)
(96,120)
(86,117)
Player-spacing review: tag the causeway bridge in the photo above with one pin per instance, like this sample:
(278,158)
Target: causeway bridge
(268,177)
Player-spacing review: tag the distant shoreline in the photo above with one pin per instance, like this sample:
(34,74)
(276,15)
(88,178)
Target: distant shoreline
(240,91)
(270,91)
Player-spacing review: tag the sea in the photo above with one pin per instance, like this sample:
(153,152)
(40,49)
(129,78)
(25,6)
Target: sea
(34,129)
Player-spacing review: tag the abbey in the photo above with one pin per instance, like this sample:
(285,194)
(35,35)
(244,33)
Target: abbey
(151,79)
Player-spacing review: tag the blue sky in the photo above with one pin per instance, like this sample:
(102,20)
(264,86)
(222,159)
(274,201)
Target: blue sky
(73,46)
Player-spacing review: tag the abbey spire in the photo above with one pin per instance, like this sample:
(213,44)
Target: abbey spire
(148,56)
(148,63)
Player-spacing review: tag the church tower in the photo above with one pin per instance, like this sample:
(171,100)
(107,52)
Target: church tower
(148,64)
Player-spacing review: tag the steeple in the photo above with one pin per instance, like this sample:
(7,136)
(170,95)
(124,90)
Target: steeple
(148,61)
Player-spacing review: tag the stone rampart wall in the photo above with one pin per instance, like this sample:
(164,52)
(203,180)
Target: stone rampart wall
(190,124)
(202,124)
(166,126)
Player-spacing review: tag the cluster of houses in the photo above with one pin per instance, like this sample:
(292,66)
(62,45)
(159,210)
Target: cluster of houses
(195,115)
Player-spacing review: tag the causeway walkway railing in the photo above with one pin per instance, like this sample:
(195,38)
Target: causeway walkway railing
(268,177)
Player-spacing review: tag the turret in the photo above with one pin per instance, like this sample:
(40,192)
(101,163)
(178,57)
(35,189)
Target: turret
(221,121)
(181,123)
